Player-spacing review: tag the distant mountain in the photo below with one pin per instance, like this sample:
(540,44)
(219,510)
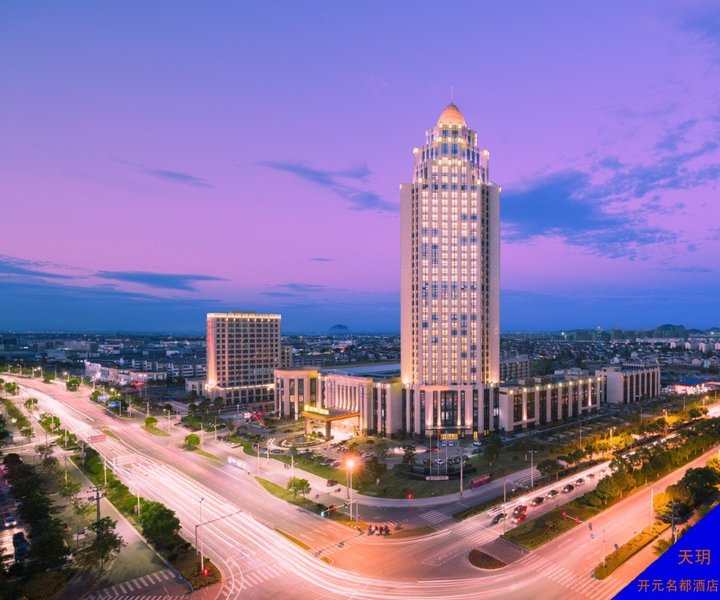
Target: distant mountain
(338,329)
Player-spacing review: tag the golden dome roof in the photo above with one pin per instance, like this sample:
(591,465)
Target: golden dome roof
(451,116)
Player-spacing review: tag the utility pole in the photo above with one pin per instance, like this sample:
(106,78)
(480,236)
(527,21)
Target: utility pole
(462,461)
(96,490)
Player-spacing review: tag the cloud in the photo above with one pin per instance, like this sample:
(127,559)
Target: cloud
(686,269)
(675,135)
(10,265)
(302,287)
(322,259)
(177,177)
(44,305)
(704,23)
(566,204)
(333,181)
(606,212)
(169,281)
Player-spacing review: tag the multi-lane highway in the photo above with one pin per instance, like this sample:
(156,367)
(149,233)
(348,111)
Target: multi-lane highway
(257,562)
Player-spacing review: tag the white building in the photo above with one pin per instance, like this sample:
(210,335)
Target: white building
(450,284)
(528,403)
(362,399)
(243,350)
(630,383)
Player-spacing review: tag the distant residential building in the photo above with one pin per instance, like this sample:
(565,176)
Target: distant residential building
(692,386)
(517,367)
(625,384)
(120,375)
(286,357)
(243,350)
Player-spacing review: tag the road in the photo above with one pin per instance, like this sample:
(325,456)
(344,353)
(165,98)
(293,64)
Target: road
(259,563)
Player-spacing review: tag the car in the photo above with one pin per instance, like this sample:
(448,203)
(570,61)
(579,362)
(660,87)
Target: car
(519,518)
(538,501)
(9,521)
(568,488)
(591,475)
(519,509)
(499,517)
(551,494)
(263,450)
(19,538)
(331,482)
(579,481)
(276,451)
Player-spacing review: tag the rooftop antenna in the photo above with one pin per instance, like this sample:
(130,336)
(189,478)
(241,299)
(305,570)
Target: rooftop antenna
(452,94)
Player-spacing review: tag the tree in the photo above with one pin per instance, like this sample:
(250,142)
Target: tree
(106,545)
(492,453)
(159,523)
(409,454)
(192,440)
(382,448)
(44,452)
(95,395)
(48,547)
(549,466)
(298,486)
(150,422)
(72,384)
(714,464)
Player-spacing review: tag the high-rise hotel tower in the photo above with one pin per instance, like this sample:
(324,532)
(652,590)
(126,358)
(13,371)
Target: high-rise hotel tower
(450,284)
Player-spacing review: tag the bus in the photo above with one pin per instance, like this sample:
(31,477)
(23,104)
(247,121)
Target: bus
(478,481)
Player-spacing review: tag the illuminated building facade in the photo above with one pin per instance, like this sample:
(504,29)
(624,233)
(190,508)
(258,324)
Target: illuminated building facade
(450,285)
(243,350)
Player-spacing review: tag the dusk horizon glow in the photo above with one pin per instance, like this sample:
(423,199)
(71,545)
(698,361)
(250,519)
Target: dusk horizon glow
(161,162)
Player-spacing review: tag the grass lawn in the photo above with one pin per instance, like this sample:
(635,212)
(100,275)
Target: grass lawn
(293,539)
(484,561)
(287,495)
(202,452)
(155,431)
(536,532)
(416,532)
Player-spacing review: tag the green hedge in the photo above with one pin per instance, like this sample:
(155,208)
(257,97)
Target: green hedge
(629,548)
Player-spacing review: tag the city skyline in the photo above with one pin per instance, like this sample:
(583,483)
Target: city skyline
(165,175)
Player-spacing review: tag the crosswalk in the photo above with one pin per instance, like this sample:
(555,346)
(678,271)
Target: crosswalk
(133,587)
(574,585)
(260,575)
(435,517)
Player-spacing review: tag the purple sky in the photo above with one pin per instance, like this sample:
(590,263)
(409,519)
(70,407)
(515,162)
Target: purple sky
(159,160)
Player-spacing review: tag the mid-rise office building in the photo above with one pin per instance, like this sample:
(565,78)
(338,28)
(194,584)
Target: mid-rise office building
(625,384)
(243,350)
(450,284)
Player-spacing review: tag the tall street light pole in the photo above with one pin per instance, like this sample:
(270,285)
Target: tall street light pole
(349,466)
(197,548)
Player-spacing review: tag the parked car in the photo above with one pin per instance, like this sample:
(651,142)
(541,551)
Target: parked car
(568,488)
(276,451)
(551,494)
(538,501)
(499,517)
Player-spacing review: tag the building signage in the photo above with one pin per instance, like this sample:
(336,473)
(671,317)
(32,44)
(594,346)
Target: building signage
(437,477)
(316,409)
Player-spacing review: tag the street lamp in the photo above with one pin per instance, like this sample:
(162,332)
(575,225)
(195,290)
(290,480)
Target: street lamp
(349,466)
(532,467)
(197,548)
